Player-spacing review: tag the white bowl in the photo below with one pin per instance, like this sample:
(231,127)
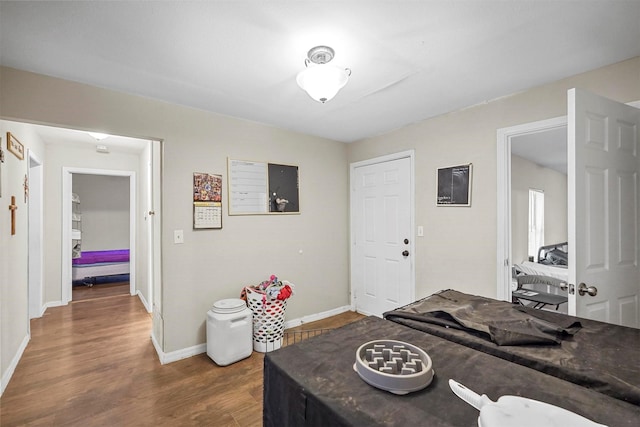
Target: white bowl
(395,366)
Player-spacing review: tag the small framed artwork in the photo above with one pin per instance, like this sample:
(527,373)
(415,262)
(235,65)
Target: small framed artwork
(454,186)
(15,146)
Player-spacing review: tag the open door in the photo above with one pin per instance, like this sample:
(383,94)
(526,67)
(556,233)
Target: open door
(604,204)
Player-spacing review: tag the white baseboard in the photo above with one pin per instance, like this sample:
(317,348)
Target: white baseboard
(42,310)
(184,353)
(6,376)
(144,301)
(174,356)
(52,304)
(315,317)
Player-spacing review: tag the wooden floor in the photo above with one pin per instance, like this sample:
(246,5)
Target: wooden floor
(92,363)
(83,293)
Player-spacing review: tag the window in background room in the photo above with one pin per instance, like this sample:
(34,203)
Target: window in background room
(536,223)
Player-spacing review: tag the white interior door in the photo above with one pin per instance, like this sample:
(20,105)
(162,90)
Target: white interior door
(604,195)
(382,252)
(156,281)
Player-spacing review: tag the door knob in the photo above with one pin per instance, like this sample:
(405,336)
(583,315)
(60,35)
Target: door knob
(405,253)
(591,290)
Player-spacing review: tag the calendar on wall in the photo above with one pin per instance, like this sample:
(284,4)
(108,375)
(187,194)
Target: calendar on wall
(207,200)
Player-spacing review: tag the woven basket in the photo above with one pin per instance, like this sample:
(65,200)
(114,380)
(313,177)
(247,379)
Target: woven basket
(268,320)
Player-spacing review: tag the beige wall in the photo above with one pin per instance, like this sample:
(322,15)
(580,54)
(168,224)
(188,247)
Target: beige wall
(104,204)
(528,175)
(310,250)
(458,249)
(14,310)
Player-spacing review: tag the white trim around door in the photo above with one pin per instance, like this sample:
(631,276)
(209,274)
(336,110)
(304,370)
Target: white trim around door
(67,180)
(503,258)
(410,154)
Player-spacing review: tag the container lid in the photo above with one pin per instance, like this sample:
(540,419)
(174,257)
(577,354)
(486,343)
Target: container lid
(230,305)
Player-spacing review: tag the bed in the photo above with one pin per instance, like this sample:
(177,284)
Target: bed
(312,383)
(555,254)
(93,264)
(543,283)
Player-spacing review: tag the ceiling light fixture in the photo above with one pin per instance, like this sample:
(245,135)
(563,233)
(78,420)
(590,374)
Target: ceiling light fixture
(98,136)
(321,80)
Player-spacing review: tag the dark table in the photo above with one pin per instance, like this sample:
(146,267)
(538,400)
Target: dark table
(313,383)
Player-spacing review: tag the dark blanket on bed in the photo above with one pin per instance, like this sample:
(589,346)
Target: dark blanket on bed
(593,354)
(312,383)
(503,324)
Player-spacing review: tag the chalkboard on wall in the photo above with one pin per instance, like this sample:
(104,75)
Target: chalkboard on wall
(454,186)
(283,188)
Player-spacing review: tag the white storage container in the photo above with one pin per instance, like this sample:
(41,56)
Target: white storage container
(229,331)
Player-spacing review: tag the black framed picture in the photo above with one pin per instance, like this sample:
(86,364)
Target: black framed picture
(261,188)
(454,186)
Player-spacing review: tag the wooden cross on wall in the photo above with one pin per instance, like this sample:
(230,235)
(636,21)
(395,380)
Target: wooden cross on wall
(12,208)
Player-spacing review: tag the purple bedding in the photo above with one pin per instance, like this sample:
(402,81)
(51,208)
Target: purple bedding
(96,257)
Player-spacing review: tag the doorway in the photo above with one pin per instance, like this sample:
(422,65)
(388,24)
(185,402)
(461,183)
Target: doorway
(35,230)
(506,138)
(67,216)
(617,304)
(101,223)
(382,241)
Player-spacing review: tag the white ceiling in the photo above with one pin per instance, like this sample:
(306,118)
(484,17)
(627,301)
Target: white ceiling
(78,138)
(548,148)
(410,60)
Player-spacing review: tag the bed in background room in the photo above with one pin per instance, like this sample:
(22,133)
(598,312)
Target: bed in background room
(93,264)
(543,283)
(586,367)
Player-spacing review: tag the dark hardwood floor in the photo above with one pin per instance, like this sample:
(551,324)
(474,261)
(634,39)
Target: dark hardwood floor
(92,363)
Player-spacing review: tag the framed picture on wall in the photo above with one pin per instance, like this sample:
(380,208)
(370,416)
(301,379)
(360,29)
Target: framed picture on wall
(15,146)
(454,186)
(261,188)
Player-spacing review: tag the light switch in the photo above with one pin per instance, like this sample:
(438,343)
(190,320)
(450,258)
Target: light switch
(178,237)
(420,231)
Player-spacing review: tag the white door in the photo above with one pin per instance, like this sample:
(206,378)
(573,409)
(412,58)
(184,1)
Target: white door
(382,263)
(604,200)
(156,280)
